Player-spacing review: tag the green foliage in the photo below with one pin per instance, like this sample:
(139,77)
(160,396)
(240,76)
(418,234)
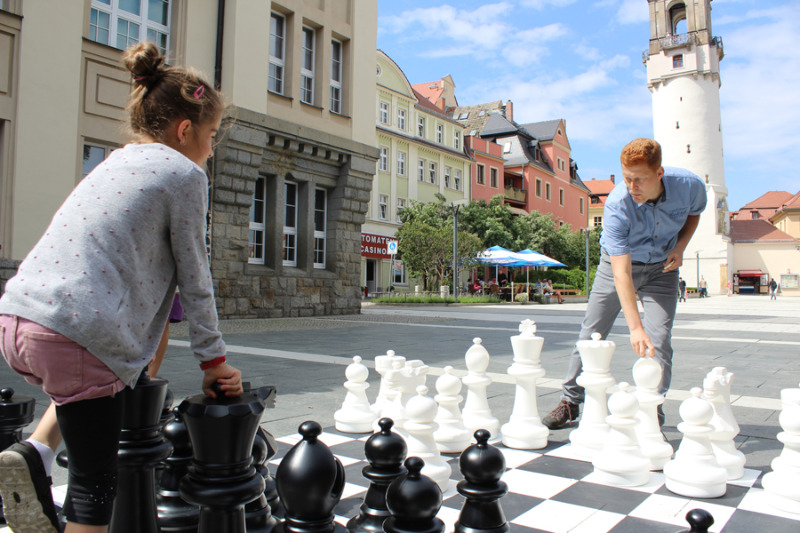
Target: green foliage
(411,298)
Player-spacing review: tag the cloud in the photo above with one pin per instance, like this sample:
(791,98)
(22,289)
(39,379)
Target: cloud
(542,4)
(633,12)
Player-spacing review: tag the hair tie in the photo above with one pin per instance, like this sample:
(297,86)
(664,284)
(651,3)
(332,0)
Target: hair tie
(139,78)
(199,92)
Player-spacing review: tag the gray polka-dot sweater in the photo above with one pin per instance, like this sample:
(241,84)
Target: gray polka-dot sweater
(105,271)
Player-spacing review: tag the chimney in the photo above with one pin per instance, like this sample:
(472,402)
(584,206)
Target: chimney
(612,179)
(510,110)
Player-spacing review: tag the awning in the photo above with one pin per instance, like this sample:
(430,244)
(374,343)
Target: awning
(749,273)
(517,210)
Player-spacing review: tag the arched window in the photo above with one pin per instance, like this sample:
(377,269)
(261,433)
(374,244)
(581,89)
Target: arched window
(677,19)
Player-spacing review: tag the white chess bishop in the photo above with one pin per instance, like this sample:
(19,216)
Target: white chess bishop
(783,483)
(452,435)
(420,427)
(621,461)
(356,414)
(717,390)
(647,376)
(477,414)
(694,472)
(588,438)
(524,429)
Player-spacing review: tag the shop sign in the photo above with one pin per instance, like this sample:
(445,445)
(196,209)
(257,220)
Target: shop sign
(376,245)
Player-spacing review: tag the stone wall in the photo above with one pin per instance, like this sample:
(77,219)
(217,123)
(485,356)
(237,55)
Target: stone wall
(259,146)
(8,269)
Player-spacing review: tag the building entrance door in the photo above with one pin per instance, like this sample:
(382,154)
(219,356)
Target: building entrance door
(370,275)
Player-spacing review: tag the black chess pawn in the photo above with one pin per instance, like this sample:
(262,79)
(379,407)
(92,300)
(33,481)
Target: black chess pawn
(258,513)
(175,515)
(699,520)
(142,446)
(16,412)
(482,466)
(385,452)
(414,500)
(310,482)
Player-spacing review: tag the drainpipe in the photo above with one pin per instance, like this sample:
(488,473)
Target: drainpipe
(218,51)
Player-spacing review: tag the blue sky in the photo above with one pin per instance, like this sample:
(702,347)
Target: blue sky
(581,60)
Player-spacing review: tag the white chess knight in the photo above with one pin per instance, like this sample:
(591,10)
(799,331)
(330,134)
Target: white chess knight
(647,376)
(524,429)
(621,461)
(356,415)
(420,427)
(783,483)
(717,390)
(477,414)
(694,472)
(588,438)
(452,436)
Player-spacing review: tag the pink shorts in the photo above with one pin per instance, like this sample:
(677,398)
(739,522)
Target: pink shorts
(66,371)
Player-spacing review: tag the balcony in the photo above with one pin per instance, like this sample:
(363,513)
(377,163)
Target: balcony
(515,195)
(676,41)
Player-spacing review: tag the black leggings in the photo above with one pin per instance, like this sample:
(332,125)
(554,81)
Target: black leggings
(91,431)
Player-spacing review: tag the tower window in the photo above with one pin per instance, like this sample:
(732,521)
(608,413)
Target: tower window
(677,61)
(677,125)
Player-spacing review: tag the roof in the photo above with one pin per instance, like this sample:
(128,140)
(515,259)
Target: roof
(770,199)
(476,116)
(429,106)
(602,187)
(431,90)
(496,124)
(543,131)
(790,205)
(743,231)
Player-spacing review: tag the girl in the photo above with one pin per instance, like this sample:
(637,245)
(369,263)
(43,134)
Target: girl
(86,311)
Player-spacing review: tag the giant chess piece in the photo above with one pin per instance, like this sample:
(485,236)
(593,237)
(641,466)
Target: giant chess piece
(588,438)
(356,415)
(310,483)
(222,477)
(271,490)
(477,414)
(420,427)
(16,412)
(383,364)
(258,513)
(647,376)
(175,515)
(524,429)
(700,521)
(694,472)
(621,461)
(783,483)
(414,501)
(482,466)
(452,436)
(142,446)
(385,452)
(393,404)
(717,390)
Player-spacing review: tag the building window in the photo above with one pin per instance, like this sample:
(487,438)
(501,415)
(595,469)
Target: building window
(493,177)
(320,227)
(507,147)
(383,207)
(480,179)
(336,76)
(457,140)
(421,170)
(398,273)
(432,172)
(121,23)
(594,200)
(547,191)
(677,61)
(457,180)
(290,225)
(538,188)
(277,52)
(401,119)
(384,160)
(421,126)
(560,196)
(383,114)
(401,163)
(447,177)
(754,215)
(401,204)
(307,70)
(440,133)
(93,155)
(580,200)
(598,221)
(258,214)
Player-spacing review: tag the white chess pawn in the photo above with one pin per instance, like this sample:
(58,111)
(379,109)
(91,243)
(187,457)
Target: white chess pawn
(588,438)
(694,472)
(717,390)
(621,461)
(647,376)
(476,412)
(420,427)
(783,483)
(383,363)
(356,415)
(524,429)
(452,436)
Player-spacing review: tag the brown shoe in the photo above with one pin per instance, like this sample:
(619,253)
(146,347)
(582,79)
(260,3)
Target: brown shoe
(562,415)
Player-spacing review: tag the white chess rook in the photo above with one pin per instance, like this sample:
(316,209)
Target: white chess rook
(420,426)
(717,390)
(393,404)
(783,483)
(621,461)
(524,429)
(356,414)
(452,436)
(383,363)
(476,412)
(647,376)
(694,472)
(588,438)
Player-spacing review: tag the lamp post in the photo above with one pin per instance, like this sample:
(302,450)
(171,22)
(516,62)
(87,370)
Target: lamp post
(455,251)
(586,235)
(697,258)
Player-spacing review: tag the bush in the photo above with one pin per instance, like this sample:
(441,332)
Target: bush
(521,298)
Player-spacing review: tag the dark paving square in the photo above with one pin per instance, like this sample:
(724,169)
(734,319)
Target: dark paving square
(513,505)
(749,522)
(353,474)
(630,524)
(353,448)
(558,466)
(613,499)
(349,507)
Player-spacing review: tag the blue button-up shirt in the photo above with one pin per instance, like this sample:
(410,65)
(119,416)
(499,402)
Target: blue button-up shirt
(649,231)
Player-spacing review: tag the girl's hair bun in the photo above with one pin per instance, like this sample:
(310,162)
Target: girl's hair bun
(145,62)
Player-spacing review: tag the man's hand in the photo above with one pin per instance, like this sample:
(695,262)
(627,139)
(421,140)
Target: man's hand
(674,259)
(641,344)
(229,378)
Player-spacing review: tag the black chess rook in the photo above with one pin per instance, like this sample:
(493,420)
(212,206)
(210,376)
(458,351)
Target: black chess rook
(175,515)
(414,501)
(482,466)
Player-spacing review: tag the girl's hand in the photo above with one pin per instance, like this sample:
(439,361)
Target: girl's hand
(229,378)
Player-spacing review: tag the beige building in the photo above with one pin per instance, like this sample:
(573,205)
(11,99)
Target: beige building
(291,179)
(763,252)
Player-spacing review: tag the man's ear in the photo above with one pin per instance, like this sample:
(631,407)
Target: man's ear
(660,172)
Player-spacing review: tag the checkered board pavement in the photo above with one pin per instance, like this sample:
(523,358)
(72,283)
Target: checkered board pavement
(552,490)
